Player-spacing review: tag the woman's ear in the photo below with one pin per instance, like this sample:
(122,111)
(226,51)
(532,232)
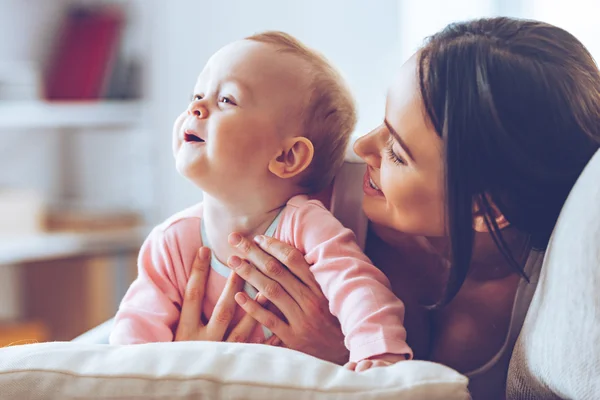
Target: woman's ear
(295,156)
(479,224)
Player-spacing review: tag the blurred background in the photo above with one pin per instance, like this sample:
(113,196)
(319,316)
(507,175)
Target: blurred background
(88,94)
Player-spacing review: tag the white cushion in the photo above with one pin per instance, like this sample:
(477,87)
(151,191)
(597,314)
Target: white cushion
(208,370)
(557,354)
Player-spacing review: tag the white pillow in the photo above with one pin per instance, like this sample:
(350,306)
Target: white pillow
(208,370)
(557,354)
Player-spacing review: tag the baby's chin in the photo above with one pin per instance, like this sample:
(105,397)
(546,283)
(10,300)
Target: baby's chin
(201,178)
(187,170)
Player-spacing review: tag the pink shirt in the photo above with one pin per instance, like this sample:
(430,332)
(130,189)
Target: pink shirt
(359,294)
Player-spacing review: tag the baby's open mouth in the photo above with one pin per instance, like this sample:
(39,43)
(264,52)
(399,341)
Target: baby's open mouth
(189,136)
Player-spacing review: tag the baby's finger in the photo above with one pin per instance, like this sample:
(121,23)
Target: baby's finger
(350,365)
(380,363)
(364,365)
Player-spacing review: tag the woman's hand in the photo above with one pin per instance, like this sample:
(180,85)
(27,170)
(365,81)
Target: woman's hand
(281,274)
(190,323)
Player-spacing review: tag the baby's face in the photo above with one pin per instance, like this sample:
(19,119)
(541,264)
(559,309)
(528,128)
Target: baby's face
(245,102)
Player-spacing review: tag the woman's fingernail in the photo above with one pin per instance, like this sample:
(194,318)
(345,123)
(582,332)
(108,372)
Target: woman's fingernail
(235,239)
(240,298)
(204,253)
(235,261)
(260,299)
(258,239)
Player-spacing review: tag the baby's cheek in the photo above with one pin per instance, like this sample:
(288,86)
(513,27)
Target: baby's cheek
(175,146)
(179,122)
(176,139)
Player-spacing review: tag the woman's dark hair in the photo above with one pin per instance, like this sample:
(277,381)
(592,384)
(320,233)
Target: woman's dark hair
(517,104)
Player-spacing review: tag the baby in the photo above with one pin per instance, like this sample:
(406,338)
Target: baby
(268,123)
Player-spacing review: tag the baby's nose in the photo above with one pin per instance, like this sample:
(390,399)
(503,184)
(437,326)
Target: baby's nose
(198,110)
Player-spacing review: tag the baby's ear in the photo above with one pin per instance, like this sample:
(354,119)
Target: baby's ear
(294,157)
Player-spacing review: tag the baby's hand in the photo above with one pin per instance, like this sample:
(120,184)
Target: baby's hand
(382,360)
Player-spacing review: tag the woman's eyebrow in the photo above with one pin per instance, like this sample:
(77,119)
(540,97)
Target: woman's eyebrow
(398,139)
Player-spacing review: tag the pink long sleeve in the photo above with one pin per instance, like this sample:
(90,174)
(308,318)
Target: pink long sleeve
(149,311)
(359,294)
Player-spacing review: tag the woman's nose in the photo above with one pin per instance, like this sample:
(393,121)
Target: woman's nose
(197,109)
(369,149)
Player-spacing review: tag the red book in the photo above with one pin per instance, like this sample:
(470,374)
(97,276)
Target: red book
(83,56)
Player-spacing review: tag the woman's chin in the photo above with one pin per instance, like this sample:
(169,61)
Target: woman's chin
(380,214)
(376,211)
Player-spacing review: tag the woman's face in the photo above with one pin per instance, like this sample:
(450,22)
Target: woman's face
(404,182)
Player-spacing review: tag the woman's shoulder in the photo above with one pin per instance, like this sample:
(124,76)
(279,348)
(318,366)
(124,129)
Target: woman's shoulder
(346,199)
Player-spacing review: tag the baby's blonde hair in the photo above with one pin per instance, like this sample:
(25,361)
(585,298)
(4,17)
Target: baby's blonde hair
(329,114)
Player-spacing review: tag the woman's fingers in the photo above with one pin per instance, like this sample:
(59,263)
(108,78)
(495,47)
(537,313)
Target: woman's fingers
(302,286)
(242,331)
(273,341)
(308,296)
(269,288)
(289,256)
(191,309)
(225,308)
(269,266)
(309,327)
(264,317)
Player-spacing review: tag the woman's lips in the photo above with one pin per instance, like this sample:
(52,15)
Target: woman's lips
(369,186)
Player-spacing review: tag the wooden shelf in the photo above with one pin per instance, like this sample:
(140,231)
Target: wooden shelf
(18,250)
(89,114)
(17,333)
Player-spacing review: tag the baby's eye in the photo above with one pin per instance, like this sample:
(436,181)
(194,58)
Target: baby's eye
(226,100)
(196,97)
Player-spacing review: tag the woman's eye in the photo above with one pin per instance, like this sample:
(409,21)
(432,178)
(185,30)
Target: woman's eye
(395,158)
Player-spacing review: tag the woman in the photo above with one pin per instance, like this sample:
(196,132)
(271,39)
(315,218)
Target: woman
(486,130)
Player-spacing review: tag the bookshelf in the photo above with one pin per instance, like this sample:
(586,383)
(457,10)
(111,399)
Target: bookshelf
(78,142)
(90,114)
(60,245)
